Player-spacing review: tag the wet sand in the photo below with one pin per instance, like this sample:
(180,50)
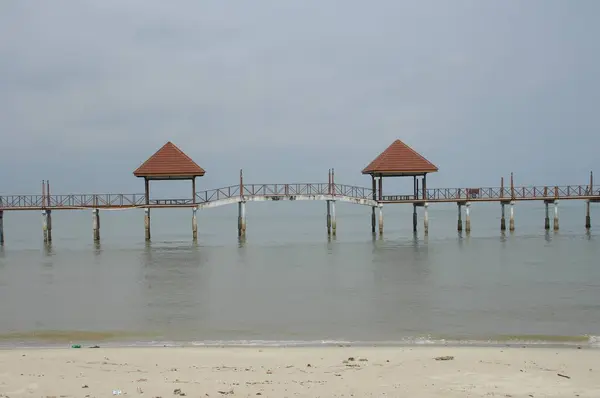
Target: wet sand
(301,372)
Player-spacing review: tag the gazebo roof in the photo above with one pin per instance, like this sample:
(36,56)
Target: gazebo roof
(399,160)
(169,162)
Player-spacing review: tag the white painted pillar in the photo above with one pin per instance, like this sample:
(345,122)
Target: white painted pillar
(328,217)
(467,217)
(588,217)
(194,224)
(333,220)
(547,219)
(380,219)
(512,216)
(147,222)
(459,226)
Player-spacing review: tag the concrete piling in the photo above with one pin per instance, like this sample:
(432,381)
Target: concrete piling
(47,225)
(512,216)
(333,220)
(242,218)
(373,220)
(556,215)
(415,217)
(467,217)
(194,224)
(96,224)
(380,219)
(547,218)
(328,217)
(147,222)
(425,219)
(460,223)
(502,218)
(588,218)
(1,227)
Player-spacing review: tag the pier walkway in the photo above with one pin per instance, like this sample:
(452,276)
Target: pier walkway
(301,191)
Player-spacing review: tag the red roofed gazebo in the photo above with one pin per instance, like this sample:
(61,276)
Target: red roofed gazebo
(399,160)
(169,163)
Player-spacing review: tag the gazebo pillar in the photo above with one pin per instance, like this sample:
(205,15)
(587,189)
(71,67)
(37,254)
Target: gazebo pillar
(194,190)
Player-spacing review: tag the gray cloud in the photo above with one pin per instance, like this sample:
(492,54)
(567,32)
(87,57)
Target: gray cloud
(289,89)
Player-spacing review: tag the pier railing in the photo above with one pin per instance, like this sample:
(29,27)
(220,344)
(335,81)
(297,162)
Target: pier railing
(75,201)
(498,194)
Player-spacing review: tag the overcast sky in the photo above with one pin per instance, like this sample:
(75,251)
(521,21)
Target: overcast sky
(288,89)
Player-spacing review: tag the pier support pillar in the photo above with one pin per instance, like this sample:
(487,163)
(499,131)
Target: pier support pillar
(96,224)
(512,216)
(588,218)
(547,218)
(328,217)
(425,219)
(373,220)
(47,225)
(1,227)
(147,222)
(556,215)
(460,223)
(333,220)
(242,218)
(467,217)
(194,224)
(502,218)
(414,218)
(380,219)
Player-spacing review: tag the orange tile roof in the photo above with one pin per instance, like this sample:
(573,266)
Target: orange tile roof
(399,159)
(169,161)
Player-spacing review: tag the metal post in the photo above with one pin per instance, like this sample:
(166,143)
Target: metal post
(147,222)
(556,215)
(547,219)
(96,224)
(333,221)
(194,224)
(502,219)
(380,219)
(425,219)
(460,224)
(467,217)
(512,216)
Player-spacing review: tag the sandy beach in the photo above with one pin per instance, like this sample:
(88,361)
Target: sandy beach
(301,372)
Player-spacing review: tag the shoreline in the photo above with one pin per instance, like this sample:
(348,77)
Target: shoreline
(533,341)
(425,371)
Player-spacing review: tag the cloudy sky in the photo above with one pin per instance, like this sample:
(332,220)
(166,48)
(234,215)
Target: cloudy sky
(287,89)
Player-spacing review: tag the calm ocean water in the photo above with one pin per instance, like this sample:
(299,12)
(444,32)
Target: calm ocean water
(287,282)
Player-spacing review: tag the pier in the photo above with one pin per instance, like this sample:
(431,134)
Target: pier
(398,160)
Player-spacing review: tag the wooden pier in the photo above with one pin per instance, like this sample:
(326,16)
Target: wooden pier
(398,160)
